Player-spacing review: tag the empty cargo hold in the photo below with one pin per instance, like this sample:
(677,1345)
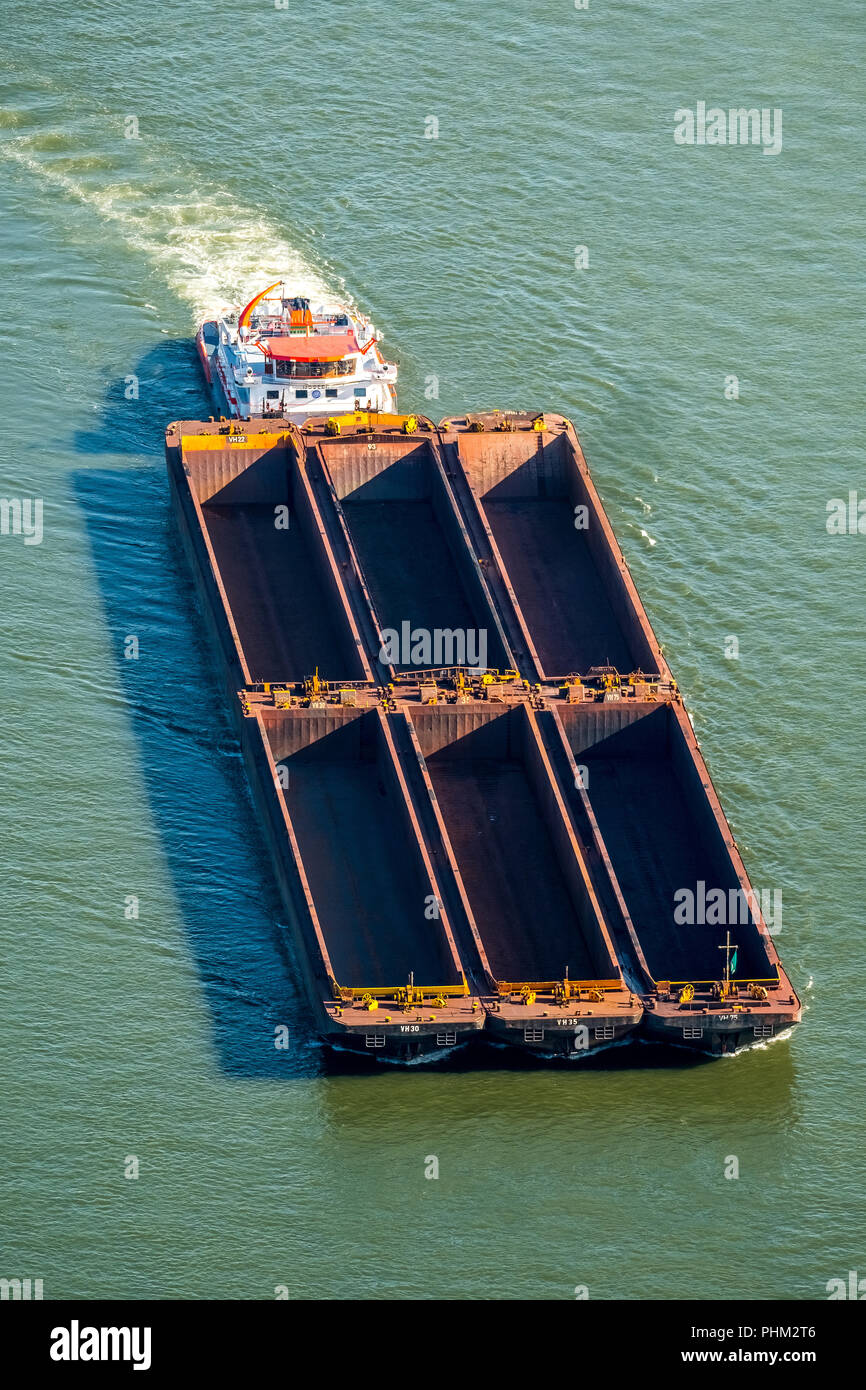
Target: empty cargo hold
(662,835)
(574,598)
(275,572)
(358,849)
(408,538)
(381,797)
(521,876)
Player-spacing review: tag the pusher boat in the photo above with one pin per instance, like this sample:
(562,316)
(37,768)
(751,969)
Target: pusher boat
(280,356)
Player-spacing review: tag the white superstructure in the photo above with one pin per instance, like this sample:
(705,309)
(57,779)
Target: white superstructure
(286,355)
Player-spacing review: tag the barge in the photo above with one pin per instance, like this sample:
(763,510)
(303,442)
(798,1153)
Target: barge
(480,789)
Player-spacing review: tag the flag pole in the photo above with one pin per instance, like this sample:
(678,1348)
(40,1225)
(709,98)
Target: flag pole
(727,948)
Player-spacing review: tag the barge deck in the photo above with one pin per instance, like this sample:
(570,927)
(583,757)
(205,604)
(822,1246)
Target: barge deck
(480,789)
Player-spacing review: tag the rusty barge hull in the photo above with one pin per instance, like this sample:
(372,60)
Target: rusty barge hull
(478,784)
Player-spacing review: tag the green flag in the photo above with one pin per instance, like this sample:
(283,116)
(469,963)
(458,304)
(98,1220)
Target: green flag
(734,962)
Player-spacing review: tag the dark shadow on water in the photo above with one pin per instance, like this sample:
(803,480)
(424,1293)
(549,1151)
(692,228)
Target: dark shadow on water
(188,753)
(193,773)
(168,380)
(631,1056)
(481,1054)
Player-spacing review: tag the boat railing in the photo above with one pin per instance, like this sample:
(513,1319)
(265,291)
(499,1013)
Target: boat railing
(273,323)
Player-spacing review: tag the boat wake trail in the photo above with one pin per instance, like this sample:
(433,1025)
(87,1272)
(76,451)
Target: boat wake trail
(204,246)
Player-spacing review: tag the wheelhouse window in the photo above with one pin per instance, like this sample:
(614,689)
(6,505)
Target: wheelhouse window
(313,371)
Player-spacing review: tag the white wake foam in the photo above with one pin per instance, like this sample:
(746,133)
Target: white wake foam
(209,251)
